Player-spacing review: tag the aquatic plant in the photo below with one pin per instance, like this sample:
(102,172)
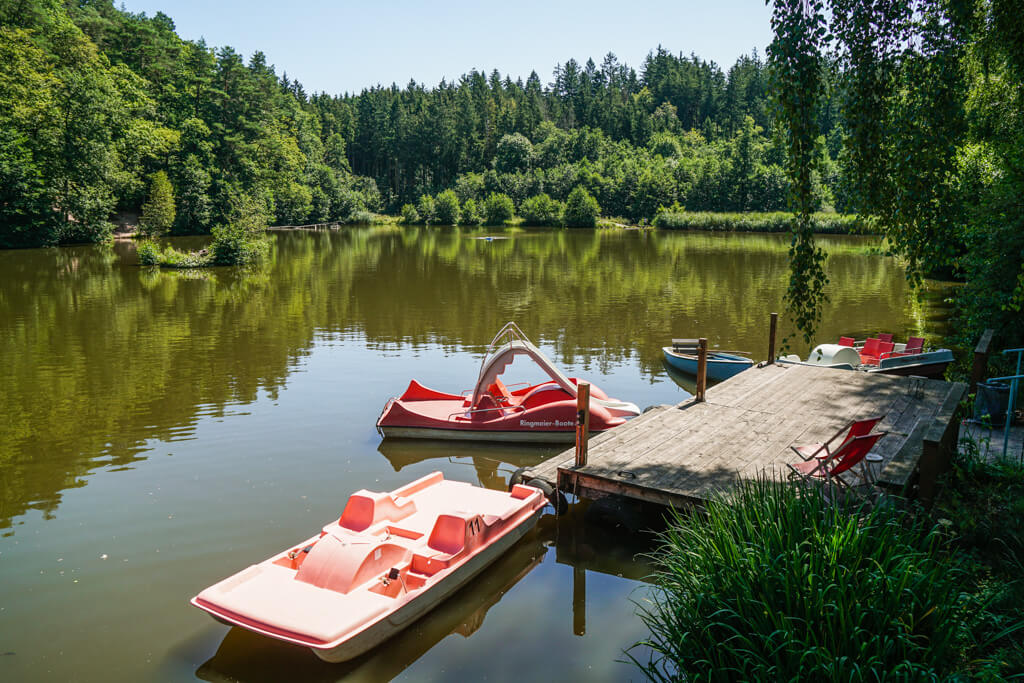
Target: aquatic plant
(774,584)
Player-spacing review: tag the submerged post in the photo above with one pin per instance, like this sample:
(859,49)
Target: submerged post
(771,337)
(702,368)
(582,422)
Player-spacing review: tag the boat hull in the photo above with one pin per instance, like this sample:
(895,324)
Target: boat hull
(930,364)
(720,366)
(563,436)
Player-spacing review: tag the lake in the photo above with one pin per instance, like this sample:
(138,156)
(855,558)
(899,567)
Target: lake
(160,430)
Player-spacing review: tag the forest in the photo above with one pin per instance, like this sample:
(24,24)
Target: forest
(102,109)
(107,115)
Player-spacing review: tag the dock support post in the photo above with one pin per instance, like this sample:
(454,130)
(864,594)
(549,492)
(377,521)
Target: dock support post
(582,422)
(771,337)
(579,601)
(702,368)
(980,367)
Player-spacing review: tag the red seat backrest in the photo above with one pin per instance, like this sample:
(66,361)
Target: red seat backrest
(885,337)
(914,345)
(448,535)
(846,341)
(885,347)
(870,347)
(852,452)
(862,427)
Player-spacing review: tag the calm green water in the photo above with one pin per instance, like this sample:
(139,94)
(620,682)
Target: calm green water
(161,430)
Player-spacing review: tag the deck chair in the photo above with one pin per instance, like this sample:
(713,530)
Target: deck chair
(885,337)
(870,348)
(828,470)
(879,349)
(847,341)
(826,448)
(914,345)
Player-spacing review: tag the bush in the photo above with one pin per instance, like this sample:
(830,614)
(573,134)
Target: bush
(542,210)
(775,584)
(234,245)
(581,210)
(498,208)
(447,208)
(427,209)
(242,240)
(410,216)
(149,253)
(471,213)
(362,217)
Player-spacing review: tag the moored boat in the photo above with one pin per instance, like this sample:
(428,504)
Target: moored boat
(720,365)
(544,412)
(874,355)
(388,560)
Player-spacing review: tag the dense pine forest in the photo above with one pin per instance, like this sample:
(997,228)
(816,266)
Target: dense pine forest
(908,115)
(102,111)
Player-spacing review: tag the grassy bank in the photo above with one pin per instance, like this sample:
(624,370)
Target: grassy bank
(776,221)
(774,584)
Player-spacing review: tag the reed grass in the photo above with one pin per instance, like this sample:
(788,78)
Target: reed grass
(775,585)
(774,221)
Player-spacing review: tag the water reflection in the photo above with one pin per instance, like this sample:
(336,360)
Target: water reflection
(491,470)
(163,429)
(101,359)
(601,538)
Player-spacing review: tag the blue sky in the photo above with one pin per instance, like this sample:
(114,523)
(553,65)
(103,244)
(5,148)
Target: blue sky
(345,46)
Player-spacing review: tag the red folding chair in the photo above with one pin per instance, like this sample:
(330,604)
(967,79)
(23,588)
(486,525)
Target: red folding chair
(827,471)
(825,448)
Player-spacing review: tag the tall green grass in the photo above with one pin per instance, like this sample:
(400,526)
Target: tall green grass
(777,221)
(775,585)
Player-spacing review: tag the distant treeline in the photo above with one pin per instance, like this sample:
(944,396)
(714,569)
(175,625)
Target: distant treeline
(96,101)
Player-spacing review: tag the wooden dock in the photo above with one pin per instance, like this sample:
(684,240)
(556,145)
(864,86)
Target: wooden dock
(683,454)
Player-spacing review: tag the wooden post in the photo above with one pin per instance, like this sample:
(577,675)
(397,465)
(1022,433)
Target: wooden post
(582,422)
(702,368)
(579,601)
(980,367)
(771,337)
